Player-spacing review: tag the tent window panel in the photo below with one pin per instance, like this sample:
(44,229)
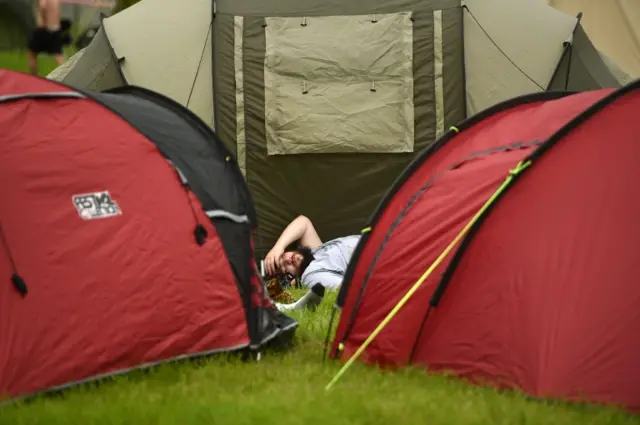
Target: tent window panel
(339,84)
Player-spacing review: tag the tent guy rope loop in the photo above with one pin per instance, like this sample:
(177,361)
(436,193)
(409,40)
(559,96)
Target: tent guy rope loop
(512,173)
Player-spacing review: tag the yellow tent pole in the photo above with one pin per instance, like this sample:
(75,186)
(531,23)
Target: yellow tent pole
(521,166)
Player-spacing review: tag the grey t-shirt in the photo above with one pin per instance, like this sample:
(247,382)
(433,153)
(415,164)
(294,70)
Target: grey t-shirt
(330,263)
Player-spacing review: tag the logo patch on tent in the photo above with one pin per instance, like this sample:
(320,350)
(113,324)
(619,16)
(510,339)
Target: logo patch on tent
(96,205)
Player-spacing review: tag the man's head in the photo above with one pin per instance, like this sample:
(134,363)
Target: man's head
(295,261)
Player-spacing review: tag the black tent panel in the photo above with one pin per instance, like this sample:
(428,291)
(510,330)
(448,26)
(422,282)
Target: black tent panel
(194,149)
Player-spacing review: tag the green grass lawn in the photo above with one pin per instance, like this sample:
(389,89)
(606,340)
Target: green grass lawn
(17,61)
(288,388)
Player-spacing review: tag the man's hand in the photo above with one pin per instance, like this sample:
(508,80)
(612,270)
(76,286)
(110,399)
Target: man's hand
(301,229)
(272,260)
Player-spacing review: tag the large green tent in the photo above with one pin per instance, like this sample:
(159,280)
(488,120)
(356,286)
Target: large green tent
(324,102)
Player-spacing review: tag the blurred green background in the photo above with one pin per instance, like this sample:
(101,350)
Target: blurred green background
(16,59)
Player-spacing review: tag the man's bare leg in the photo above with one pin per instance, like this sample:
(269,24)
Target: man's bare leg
(59,59)
(33,63)
(50,10)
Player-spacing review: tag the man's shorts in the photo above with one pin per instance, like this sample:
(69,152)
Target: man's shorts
(46,41)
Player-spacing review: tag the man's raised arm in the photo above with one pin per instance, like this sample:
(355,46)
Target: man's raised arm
(301,230)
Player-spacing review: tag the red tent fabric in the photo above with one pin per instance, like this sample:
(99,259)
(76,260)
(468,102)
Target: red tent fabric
(124,263)
(540,295)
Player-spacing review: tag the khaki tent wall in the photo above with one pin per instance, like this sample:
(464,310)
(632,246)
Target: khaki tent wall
(622,77)
(327,135)
(612,25)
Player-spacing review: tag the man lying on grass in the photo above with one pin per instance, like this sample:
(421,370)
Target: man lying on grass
(316,265)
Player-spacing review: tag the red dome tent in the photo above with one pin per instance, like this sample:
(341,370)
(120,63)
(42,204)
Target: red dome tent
(125,238)
(541,293)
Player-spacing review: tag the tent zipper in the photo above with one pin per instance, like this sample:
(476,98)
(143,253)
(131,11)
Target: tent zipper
(16,279)
(200,232)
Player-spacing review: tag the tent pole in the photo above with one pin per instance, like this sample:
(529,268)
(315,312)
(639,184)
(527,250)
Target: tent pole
(567,49)
(566,81)
(566,77)
(464,62)
(118,60)
(216,118)
(522,165)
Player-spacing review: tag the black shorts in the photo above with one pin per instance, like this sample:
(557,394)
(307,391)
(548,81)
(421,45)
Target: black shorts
(46,41)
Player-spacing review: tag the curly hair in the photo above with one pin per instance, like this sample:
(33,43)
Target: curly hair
(307,257)
(305,251)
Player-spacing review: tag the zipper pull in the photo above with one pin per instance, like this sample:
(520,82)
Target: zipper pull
(19,284)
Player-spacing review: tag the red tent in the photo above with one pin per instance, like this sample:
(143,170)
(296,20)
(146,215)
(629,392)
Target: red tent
(541,293)
(125,238)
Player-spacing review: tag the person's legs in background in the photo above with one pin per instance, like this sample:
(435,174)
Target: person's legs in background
(33,63)
(37,45)
(48,42)
(62,37)
(49,35)
(56,46)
